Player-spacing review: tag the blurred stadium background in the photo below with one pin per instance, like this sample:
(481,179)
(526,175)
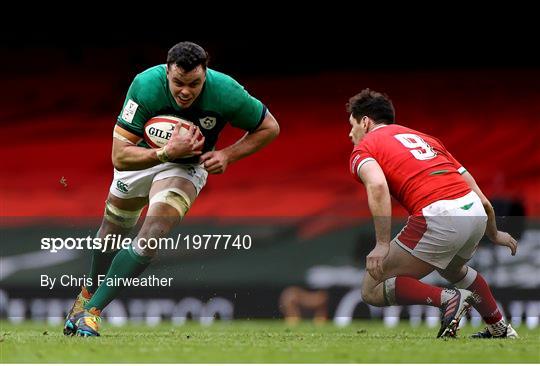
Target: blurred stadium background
(309,220)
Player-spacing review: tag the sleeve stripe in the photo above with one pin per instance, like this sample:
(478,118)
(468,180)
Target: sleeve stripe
(116,135)
(362,163)
(461,170)
(263,115)
(129,128)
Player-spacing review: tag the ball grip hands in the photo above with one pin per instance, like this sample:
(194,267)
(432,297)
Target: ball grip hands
(183,145)
(190,143)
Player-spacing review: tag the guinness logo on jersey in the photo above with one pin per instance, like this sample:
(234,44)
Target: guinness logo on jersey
(208,122)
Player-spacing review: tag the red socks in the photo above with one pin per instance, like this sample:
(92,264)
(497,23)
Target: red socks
(410,291)
(487,307)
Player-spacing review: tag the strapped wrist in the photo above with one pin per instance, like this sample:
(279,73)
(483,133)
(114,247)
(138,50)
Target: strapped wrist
(162,154)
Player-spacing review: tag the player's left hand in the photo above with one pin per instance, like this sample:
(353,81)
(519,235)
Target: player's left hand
(374,260)
(215,162)
(506,240)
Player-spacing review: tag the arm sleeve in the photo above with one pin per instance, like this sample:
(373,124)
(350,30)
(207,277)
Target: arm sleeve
(245,111)
(359,157)
(134,114)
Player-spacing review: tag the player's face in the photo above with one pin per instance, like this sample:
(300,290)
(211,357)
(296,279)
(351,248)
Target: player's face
(185,86)
(358,129)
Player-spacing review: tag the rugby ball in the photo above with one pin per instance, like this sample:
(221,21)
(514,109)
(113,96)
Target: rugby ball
(158,130)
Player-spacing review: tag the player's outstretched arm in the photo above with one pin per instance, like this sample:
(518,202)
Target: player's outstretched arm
(493,234)
(127,156)
(215,162)
(381,209)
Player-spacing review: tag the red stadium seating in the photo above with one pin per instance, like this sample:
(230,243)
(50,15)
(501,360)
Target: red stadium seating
(489,120)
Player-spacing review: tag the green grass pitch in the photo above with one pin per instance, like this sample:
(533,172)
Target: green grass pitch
(261,342)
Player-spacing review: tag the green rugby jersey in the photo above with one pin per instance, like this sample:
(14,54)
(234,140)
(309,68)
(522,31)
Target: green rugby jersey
(222,100)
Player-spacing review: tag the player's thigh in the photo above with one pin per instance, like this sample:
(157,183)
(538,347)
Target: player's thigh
(128,185)
(128,204)
(400,262)
(176,187)
(189,178)
(181,183)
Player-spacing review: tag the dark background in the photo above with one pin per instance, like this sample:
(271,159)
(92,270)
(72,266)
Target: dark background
(64,82)
(292,48)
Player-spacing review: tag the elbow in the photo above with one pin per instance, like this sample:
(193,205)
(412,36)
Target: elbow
(273,130)
(276,130)
(377,188)
(270,126)
(378,191)
(120,167)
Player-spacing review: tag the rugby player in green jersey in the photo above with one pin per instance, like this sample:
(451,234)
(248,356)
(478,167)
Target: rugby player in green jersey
(168,179)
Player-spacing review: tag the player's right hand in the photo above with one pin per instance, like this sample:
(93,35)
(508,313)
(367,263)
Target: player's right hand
(374,260)
(505,240)
(185,145)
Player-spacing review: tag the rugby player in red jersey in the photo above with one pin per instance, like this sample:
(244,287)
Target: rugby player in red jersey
(449,214)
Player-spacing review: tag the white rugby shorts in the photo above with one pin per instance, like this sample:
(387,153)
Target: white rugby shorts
(445,229)
(130,184)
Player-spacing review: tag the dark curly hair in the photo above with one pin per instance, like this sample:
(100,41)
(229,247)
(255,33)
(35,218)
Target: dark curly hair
(375,105)
(187,55)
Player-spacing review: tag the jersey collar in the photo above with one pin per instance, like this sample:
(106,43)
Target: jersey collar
(376,128)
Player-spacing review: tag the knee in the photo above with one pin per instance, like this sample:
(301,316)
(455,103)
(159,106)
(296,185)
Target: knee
(378,293)
(454,275)
(116,220)
(175,198)
(368,295)
(467,279)
(451,277)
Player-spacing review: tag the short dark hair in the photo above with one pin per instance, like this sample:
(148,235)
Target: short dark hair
(187,55)
(375,105)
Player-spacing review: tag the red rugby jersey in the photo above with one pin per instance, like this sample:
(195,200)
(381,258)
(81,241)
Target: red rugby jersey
(418,168)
